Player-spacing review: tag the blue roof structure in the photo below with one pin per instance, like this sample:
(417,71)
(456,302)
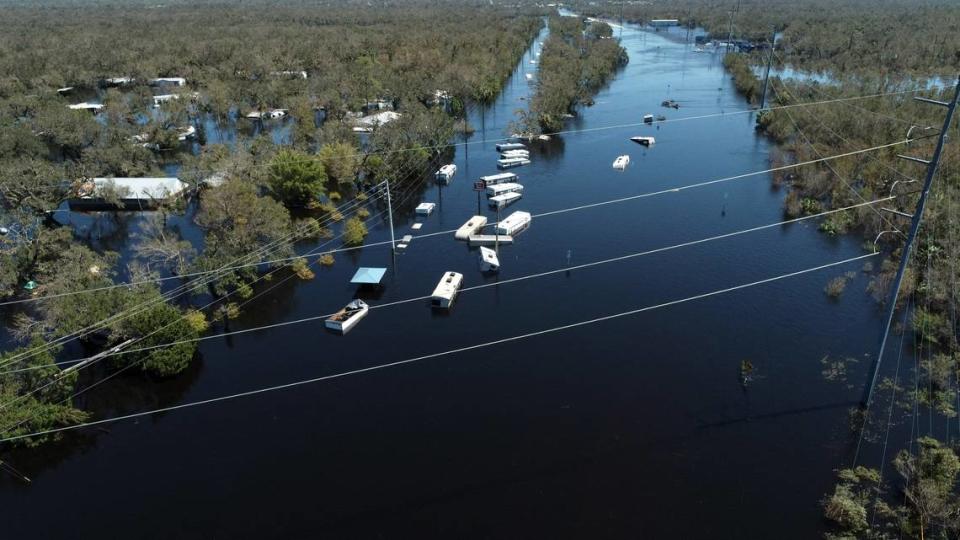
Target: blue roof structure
(368,276)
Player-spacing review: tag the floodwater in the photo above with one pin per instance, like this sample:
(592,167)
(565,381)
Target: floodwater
(638,426)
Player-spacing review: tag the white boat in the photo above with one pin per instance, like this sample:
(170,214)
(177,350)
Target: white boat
(188,133)
(514,223)
(533,61)
(504,200)
(515,154)
(470,228)
(500,189)
(512,162)
(446,291)
(501,178)
(445,174)
(425,209)
(529,76)
(348,317)
(489,262)
(509,146)
(648,118)
(621,162)
(490,239)
(646,141)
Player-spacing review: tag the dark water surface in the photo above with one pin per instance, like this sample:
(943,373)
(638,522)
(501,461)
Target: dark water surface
(635,427)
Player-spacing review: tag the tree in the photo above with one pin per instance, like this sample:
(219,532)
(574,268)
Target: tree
(931,477)
(354,231)
(27,408)
(157,326)
(341,161)
(239,224)
(296,178)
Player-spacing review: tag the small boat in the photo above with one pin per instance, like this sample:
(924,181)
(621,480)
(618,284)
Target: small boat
(621,162)
(446,291)
(348,317)
(470,228)
(425,209)
(670,104)
(646,141)
(514,223)
(648,119)
(188,133)
(512,162)
(500,189)
(509,146)
(499,178)
(504,200)
(445,174)
(489,262)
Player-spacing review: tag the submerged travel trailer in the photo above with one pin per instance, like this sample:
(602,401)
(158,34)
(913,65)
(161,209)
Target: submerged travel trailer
(621,162)
(489,262)
(470,228)
(425,209)
(126,193)
(645,141)
(446,173)
(446,291)
(514,223)
(500,189)
(504,200)
(506,163)
(117,81)
(92,107)
(368,123)
(515,154)
(348,317)
(270,114)
(490,239)
(172,81)
(509,146)
(501,178)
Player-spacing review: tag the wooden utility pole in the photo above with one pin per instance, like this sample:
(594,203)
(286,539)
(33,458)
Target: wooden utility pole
(914,227)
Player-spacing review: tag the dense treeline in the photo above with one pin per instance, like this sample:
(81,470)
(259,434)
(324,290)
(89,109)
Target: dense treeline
(323,64)
(890,38)
(576,60)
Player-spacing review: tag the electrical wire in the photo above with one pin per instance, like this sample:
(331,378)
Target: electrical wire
(503,281)
(407,361)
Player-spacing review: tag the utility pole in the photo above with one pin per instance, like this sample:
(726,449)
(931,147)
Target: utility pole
(766,78)
(914,227)
(393,241)
(730,29)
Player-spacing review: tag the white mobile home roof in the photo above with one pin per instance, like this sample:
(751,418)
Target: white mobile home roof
(144,188)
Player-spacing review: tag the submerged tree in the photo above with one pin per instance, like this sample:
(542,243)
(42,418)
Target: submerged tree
(297,178)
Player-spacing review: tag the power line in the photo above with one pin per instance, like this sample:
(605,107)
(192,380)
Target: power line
(54,379)
(510,339)
(499,282)
(553,212)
